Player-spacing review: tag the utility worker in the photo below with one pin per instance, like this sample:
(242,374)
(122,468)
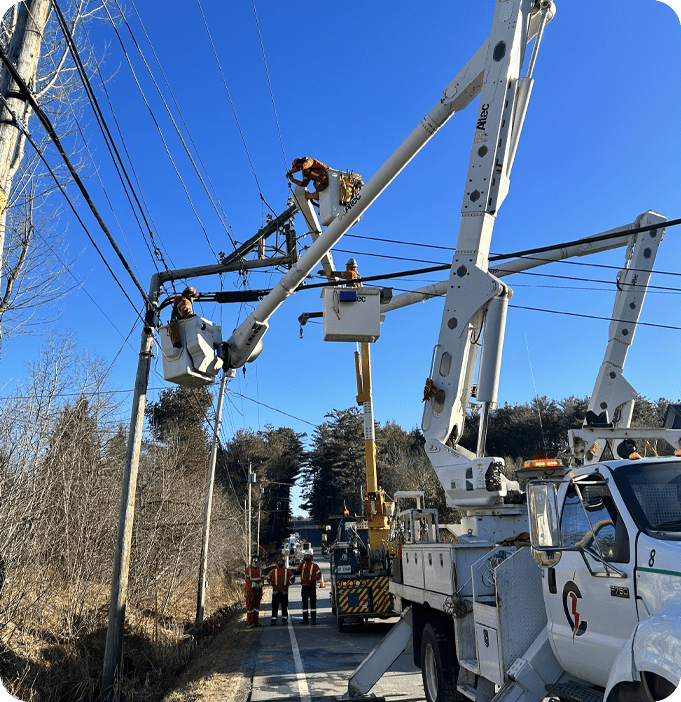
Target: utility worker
(313,171)
(350,274)
(255,579)
(182,309)
(280,578)
(310,575)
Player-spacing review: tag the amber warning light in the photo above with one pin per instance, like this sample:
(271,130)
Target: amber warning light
(542,463)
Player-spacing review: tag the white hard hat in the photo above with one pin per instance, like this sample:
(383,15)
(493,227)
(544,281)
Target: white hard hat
(308,552)
(351,262)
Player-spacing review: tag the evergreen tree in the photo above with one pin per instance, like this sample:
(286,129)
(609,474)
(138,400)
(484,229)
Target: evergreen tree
(334,472)
(179,418)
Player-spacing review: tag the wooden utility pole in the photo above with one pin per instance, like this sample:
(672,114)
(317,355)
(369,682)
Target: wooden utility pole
(210,483)
(119,579)
(24,52)
(250,538)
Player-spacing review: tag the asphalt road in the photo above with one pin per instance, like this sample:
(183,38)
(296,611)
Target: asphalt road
(311,664)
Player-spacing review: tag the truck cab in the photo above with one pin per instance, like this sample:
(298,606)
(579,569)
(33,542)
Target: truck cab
(608,539)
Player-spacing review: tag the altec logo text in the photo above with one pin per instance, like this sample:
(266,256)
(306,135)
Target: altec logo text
(482,120)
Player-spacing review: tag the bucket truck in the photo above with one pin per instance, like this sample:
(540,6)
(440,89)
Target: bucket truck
(592,611)
(573,588)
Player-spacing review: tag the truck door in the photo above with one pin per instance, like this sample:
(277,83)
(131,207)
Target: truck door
(591,609)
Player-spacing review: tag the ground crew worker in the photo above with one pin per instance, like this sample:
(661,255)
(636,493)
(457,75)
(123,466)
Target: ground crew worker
(280,578)
(313,171)
(182,309)
(350,274)
(310,575)
(254,582)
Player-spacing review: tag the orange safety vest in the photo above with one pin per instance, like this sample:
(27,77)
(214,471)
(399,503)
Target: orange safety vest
(281,578)
(309,573)
(182,308)
(350,274)
(312,170)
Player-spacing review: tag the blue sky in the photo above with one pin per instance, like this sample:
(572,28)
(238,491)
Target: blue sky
(600,146)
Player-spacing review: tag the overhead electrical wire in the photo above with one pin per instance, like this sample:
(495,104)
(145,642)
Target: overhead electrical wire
(184,123)
(516,254)
(81,286)
(44,120)
(155,248)
(229,97)
(29,137)
(591,316)
(220,214)
(104,129)
(269,83)
(502,256)
(160,131)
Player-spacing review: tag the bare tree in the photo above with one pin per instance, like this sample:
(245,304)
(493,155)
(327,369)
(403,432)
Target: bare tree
(35,265)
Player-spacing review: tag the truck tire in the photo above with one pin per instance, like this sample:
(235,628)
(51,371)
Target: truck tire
(439,667)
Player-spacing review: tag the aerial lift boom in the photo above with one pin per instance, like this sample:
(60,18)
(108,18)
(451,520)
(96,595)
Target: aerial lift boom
(246,342)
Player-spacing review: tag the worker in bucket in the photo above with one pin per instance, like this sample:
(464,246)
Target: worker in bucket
(255,579)
(310,575)
(182,309)
(280,578)
(313,171)
(350,274)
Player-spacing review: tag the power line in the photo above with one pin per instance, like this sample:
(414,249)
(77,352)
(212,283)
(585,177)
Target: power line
(269,83)
(27,134)
(274,409)
(104,129)
(158,127)
(517,254)
(229,97)
(590,316)
(495,257)
(226,223)
(28,95)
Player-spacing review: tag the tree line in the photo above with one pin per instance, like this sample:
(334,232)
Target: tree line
(333,468)
(62,456)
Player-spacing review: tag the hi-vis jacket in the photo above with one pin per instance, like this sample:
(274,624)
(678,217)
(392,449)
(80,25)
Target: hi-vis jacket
(280,579)
(309,573)
(255,578)
(182,309)
(313,171)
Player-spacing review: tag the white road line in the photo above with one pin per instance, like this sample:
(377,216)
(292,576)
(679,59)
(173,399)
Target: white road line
(303,689)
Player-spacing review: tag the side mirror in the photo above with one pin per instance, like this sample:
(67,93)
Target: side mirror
(542,504)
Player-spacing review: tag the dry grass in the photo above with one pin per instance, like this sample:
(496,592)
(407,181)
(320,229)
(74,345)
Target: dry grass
(41,660)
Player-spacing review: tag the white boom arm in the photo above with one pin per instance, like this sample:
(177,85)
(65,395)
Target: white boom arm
(476,300)
(583,247)
(246,342)
(608,420)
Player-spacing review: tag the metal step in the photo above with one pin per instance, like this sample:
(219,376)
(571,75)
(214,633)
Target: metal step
(572,692)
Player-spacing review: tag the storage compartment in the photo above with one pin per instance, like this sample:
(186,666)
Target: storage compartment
(351,314)
(489,656)
(412,567)
(438,569)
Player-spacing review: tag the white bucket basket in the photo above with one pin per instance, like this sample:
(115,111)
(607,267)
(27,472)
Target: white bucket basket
(195,364)
(352,314)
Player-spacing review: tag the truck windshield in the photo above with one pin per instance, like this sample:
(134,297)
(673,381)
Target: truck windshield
(652,492)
